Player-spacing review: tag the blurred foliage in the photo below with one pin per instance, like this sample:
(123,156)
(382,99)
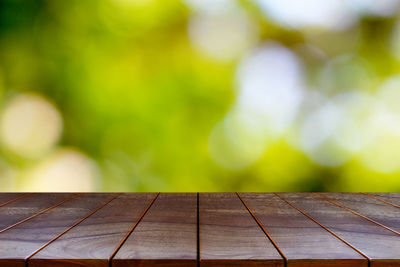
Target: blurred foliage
(137,97)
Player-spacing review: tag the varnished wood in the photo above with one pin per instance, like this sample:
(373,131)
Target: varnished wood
(20,242)
(28,206)
(302,241)
(373,209)
(166,235)
(390,198)
(229,236)
(214,229)
(352,228)
(93,242)
(6,198)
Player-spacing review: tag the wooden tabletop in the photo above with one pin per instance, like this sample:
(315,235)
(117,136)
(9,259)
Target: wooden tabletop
(200,229)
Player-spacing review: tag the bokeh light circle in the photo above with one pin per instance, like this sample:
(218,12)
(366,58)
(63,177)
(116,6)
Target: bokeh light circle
(383,154)
(270,81)
(328,14)
(66,170)
(339,129)
(30,125)
(223,36)
(236,142)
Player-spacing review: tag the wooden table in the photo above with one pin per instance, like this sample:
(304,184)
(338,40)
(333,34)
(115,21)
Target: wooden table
(206,229)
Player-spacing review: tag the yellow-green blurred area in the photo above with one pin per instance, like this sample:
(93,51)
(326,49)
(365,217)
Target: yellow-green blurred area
(200,95)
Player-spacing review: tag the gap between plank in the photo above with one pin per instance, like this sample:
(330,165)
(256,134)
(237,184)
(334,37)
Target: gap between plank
(198,230)
(40,212)
(324,227)
(15,199)
(264,230)
(72,226)
(356,213)
(380,199)
(131,230)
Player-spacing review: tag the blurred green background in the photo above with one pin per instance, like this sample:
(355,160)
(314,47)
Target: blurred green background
(195,95)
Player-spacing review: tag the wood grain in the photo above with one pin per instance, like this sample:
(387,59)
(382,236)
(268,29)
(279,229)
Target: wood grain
(206,229)
(6,198)
(166,236)
(21,241)
(28,206)
(392,198)
(352,228)
(371,208)
(93,242)
(229,236)
(302,241)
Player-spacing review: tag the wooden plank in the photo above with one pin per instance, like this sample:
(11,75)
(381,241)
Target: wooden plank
(93,242)
(371,208)
(390,198)
(377,243)
(229,235)
(28,206)
(302,241)
(6,198)
(167,234)
(20,242)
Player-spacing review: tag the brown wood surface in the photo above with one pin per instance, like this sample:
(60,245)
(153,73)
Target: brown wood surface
(390,198)
(28,206)
(229,235)
(352,228)
(302,241)
(93,242)
(206,229)
(166,235)
(20,242)
(373,209)
(6,198)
